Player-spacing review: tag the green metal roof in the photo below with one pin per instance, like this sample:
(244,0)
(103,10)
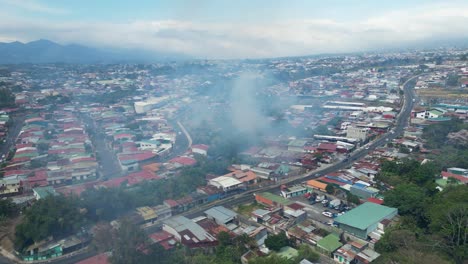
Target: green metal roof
(330,243)
(276,198)
(43,192)
(365,215)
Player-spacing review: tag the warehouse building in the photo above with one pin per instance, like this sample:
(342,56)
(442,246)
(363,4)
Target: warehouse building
(365,218)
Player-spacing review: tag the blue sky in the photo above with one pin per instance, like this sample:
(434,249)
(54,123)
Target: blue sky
(235,29)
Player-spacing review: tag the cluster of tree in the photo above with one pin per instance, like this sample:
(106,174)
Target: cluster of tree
(109,98)
(7,209)
(55,216)
(434,226)
(449,154)
(55,99)
(408,171)
(7,98)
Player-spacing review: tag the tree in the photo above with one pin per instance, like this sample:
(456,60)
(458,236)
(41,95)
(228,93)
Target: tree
(271,259)
(449,220)
(276,242)
(306,252)
(330,189)
(7,209)
(129,244)
(352,198)
(7,98)
(55,216)
(410,199)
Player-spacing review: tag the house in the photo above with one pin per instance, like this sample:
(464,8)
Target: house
(363,191)
(189,233)
(364,219)
(357,133)
(261,215)
(43,192)
(347,253)
(221,215)
(456,177)
(163,238)
(225,183)
(316,185)
(293,191)
(10,185)
(102,258)
(366,256)
(200,149)
(297,145)
(272,200)
(329,244)
(246,176)
(183,161)
(429,114)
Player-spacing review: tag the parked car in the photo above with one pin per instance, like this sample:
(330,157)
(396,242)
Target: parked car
(327,214)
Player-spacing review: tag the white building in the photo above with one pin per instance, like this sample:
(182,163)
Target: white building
(357,132)
(142,107)
(225,183)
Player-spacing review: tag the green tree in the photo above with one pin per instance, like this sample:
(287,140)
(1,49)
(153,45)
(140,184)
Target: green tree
(351,198)
(7,98)
(55,216)
(449,220)
(330,189)
(276,242)
(410,199)
(271,259)
(306,252)
(129,244)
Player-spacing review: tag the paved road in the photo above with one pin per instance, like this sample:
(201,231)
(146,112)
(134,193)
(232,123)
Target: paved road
(13,132)
(108,165)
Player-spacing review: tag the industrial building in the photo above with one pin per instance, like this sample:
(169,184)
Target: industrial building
(365,218)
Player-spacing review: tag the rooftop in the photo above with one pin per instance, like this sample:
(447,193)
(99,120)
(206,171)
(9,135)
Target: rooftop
(221,214)
(330,243)
(365,215)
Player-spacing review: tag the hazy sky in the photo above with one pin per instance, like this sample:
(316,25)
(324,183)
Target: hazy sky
(235,29)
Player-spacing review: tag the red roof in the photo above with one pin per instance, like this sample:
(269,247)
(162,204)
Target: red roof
(76,189)
(327,147)
(185,161)
(446,174)
(137,156)
(171,203)
(200,146)
(163,239)
(102,258)
(375,200)
(132,179)
(296,206)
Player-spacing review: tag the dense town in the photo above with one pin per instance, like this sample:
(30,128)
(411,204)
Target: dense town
(327,159)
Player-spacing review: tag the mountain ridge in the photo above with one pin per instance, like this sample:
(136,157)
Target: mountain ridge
(47,51)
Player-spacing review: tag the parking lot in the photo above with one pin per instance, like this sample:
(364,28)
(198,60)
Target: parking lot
(314,211)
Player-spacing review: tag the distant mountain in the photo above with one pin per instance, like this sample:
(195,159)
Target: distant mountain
(46,51)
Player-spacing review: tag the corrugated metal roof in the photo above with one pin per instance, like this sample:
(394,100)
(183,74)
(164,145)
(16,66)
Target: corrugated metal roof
(365,215)
(221,214)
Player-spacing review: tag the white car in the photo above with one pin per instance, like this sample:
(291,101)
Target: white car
(327,214)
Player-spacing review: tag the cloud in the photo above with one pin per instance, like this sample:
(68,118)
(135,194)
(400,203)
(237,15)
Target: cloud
(244,40)
(34,6)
